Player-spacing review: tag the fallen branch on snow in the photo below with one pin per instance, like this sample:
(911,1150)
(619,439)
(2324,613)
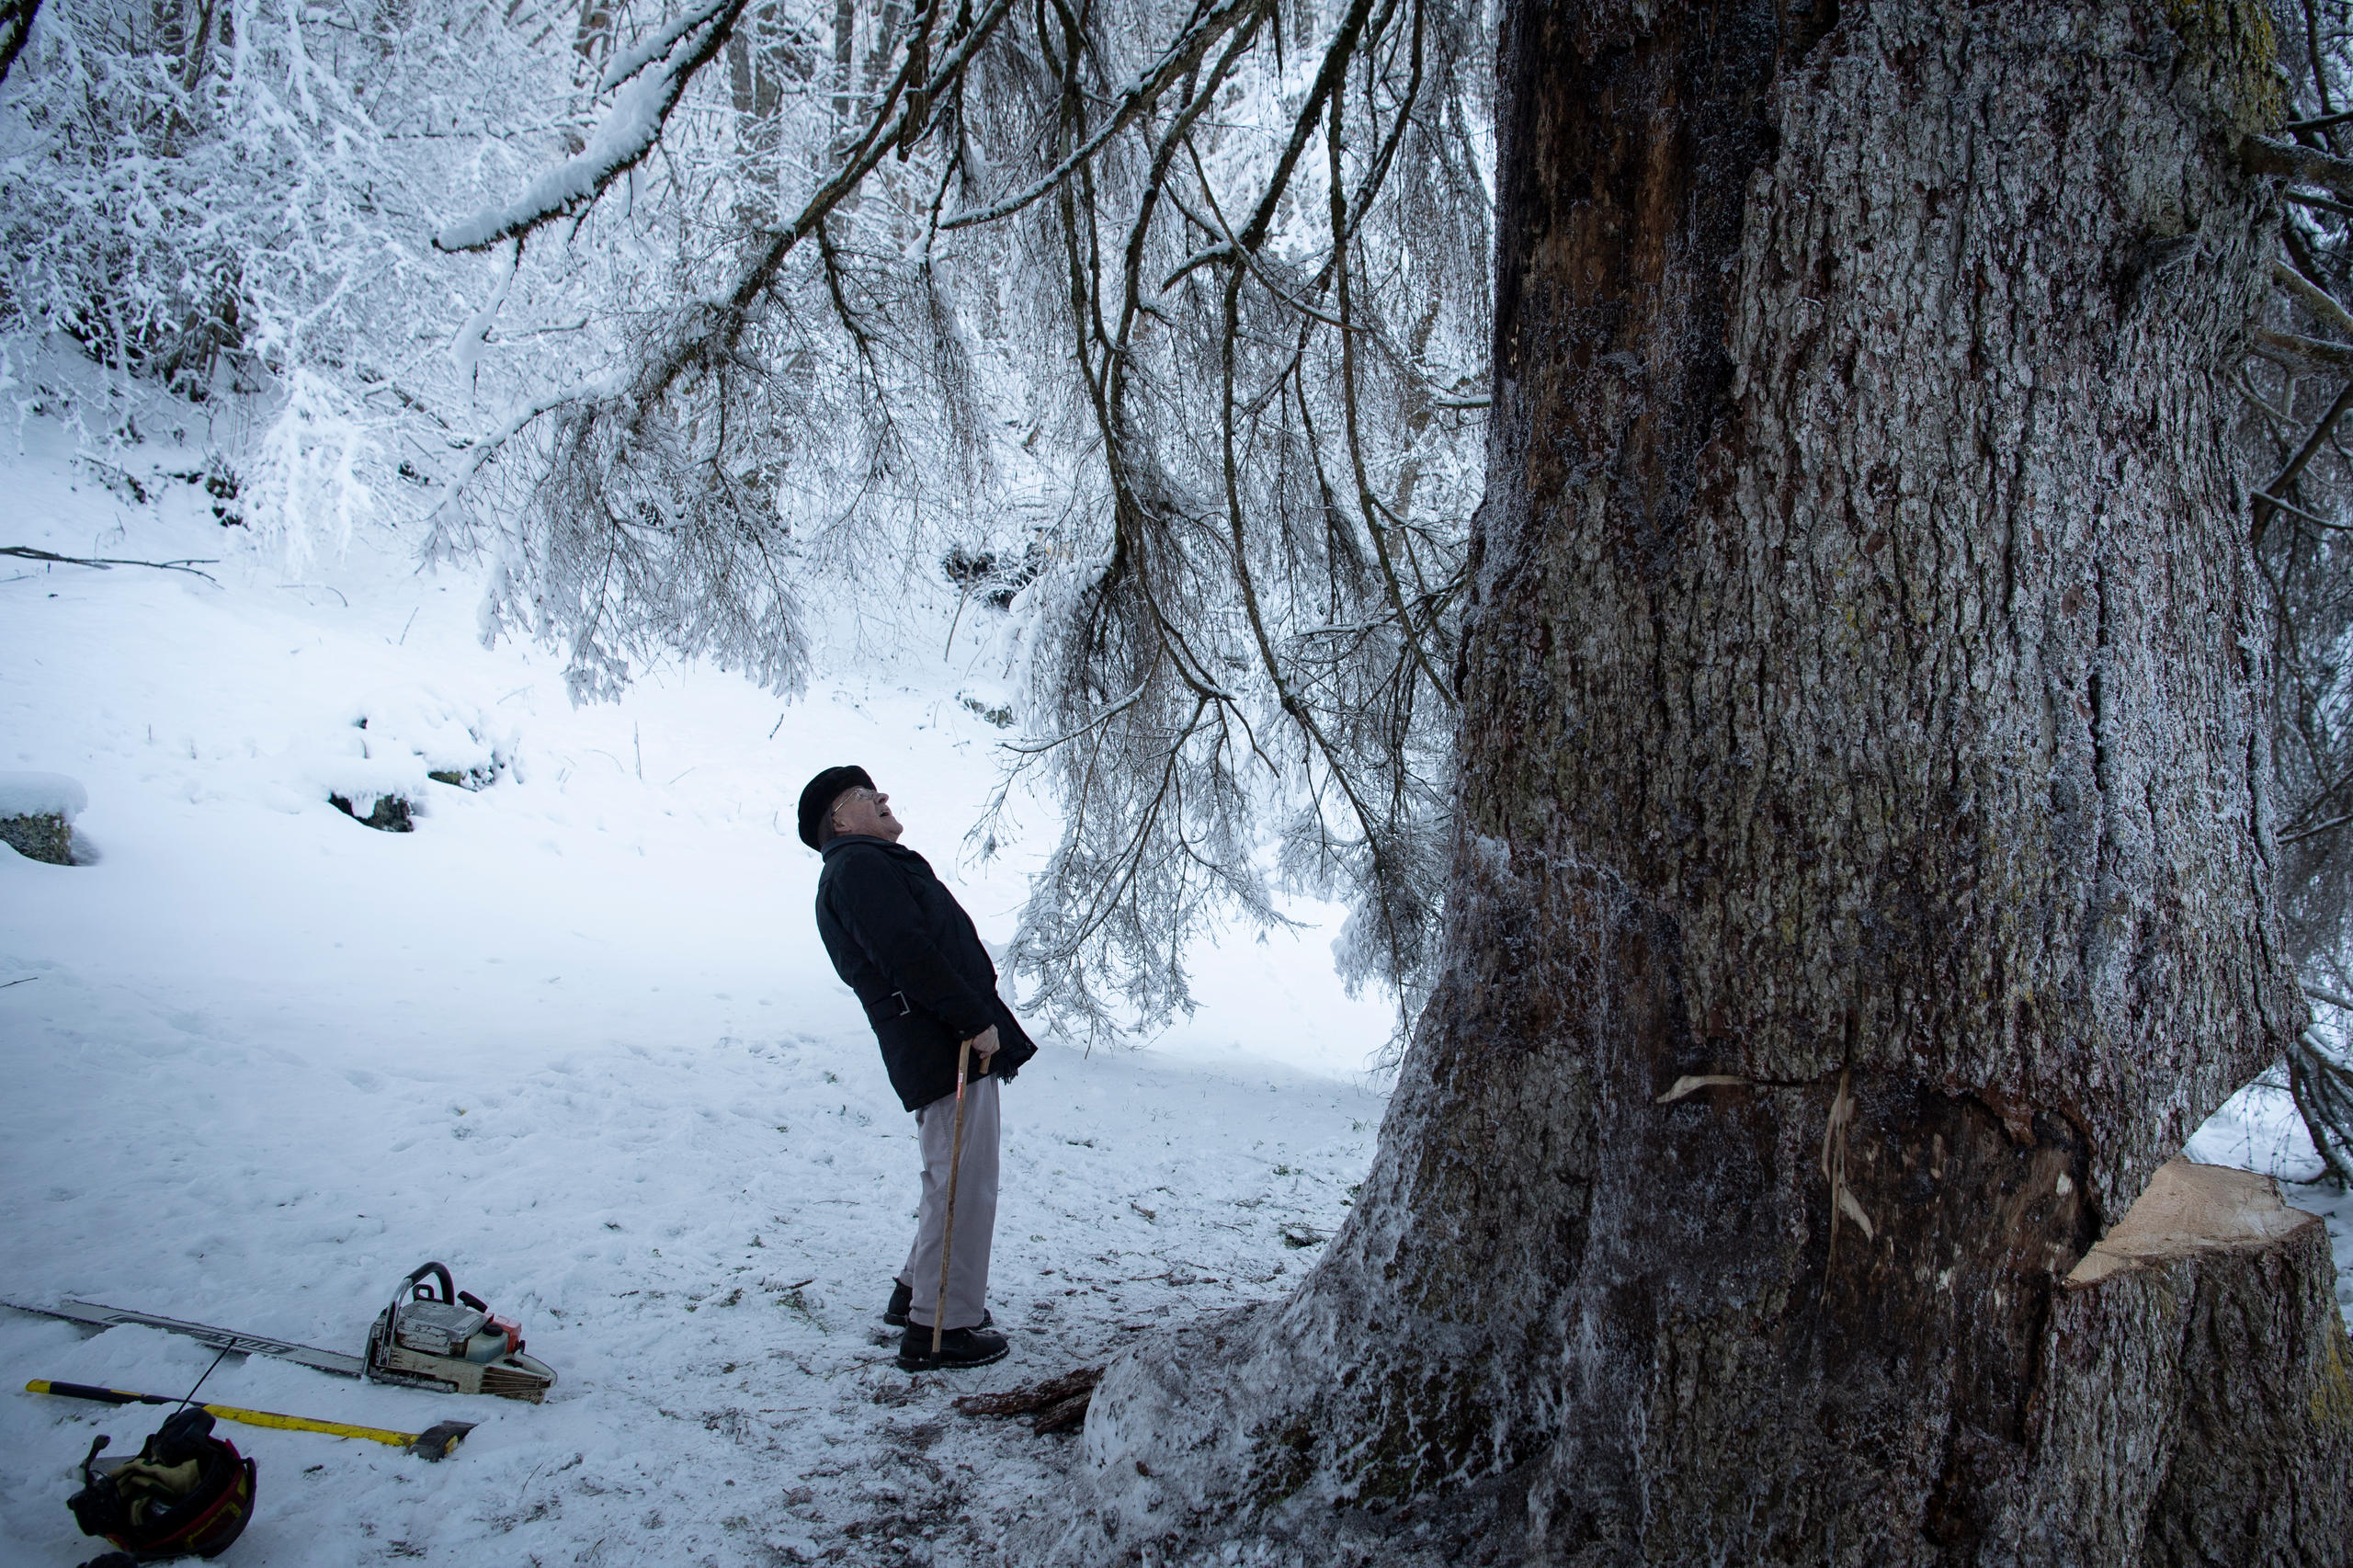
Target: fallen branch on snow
(106,562)
(1059,1405)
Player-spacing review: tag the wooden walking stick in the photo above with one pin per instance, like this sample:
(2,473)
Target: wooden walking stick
(955,1167)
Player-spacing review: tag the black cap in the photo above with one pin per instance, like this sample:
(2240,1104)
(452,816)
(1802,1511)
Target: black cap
(823,791)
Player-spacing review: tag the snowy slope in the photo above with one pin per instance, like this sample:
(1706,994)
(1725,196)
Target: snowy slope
(573,1036)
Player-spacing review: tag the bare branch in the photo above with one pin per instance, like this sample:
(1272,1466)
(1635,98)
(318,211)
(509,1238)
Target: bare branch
(2263,155)
(2310,295)
(2320,204)
(2270,497)
(2308,350)
(2317,521)
(104,562)
(2321,123)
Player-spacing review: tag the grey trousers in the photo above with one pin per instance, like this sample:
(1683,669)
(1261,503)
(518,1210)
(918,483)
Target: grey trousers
(968,1260)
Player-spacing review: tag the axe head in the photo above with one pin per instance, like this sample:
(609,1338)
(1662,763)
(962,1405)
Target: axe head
(435,1441)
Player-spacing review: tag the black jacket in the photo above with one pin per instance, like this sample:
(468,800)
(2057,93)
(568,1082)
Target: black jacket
(899,938)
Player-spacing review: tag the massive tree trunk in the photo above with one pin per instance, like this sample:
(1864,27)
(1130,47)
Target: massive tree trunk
(1861,888)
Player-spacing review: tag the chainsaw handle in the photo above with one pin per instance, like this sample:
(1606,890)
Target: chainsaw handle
(380,1335)
(424,1293)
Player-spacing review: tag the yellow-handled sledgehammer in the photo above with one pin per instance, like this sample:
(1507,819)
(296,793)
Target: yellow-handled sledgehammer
(434,1443)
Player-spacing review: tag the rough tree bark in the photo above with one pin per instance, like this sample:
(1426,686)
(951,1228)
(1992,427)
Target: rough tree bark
(1862,879)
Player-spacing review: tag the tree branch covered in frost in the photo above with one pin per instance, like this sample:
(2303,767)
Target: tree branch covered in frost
(1176,310)
(638,551)
(1200,289)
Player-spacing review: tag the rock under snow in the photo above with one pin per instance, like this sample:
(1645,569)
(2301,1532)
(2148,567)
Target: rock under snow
(37,813)
(376,768)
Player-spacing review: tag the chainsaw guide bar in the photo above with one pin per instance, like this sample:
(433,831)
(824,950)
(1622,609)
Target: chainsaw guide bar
(93,1315)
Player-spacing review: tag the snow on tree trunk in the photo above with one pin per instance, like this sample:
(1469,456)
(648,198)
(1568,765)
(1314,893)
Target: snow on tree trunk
(1862,886)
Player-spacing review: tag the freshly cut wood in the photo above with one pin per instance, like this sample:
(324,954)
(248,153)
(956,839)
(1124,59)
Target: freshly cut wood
(2189,1208)
(2199,1408)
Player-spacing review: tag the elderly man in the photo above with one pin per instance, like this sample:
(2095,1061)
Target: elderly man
(899,939)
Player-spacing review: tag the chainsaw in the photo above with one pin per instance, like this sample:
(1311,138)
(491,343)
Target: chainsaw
(452,1342)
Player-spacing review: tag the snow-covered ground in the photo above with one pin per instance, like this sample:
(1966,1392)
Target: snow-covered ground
(574,1037)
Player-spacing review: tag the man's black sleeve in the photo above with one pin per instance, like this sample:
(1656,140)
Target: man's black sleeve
(881,916)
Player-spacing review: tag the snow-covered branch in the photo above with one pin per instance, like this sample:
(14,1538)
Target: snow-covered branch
(657,44)
(441,540)
(628,133)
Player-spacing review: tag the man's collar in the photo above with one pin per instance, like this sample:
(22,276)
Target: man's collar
(839,839)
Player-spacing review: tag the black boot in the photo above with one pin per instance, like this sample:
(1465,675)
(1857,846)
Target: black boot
(958,1348)
(903,1297)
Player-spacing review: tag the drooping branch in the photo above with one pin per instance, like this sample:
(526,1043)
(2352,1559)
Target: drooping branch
(1168,723)
(441,539)
(1135,101)
(718,331)
(2272,495)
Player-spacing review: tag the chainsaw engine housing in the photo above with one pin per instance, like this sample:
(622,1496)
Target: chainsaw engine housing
(451,1342)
